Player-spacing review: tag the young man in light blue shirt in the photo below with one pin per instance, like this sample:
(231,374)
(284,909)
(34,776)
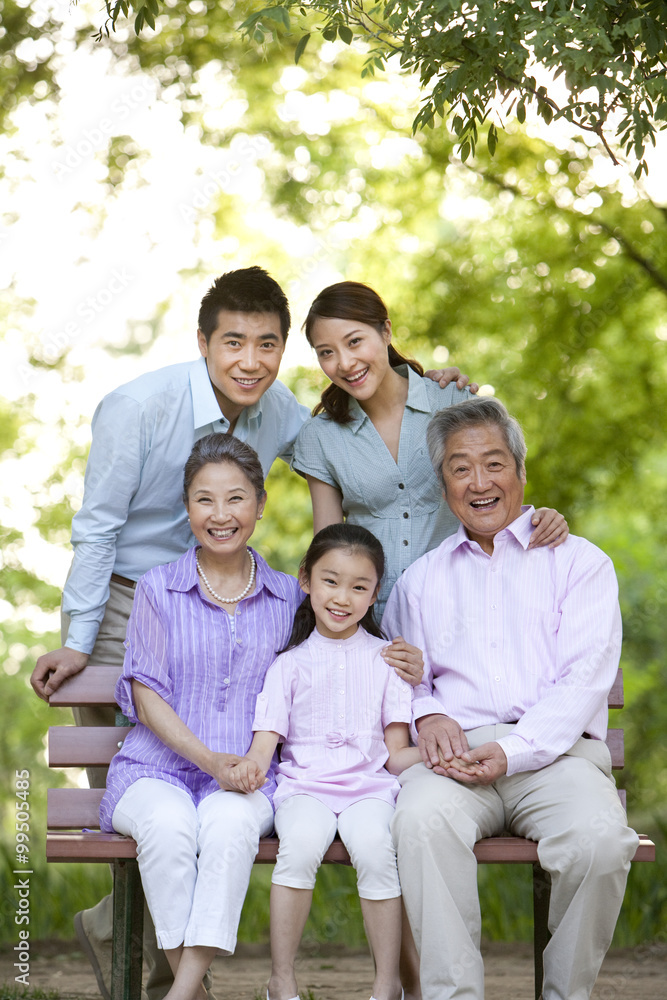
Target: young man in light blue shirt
(132,517)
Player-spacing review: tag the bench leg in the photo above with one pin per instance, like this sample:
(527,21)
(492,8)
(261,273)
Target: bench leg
(541,896)
(128,929)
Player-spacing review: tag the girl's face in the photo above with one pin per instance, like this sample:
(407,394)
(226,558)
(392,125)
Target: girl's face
(223,509)
(352,354)
(342,586)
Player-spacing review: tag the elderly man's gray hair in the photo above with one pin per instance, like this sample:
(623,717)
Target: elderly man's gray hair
(473,413)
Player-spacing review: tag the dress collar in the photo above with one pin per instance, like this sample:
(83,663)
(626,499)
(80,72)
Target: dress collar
(417,398)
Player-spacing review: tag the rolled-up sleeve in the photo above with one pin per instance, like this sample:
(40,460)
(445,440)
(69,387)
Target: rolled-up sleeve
(146,656)
(274,703)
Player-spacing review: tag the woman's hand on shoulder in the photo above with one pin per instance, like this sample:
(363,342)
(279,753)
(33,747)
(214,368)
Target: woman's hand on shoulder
(443,376)
(551,528)
(406,660)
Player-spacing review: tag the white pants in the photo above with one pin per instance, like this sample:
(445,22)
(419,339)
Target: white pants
(195,862)
(306,828)
(571,808)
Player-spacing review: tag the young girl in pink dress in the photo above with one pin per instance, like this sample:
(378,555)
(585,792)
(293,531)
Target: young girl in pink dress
(342,715)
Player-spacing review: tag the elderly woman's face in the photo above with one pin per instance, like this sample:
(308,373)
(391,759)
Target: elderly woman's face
(223,509)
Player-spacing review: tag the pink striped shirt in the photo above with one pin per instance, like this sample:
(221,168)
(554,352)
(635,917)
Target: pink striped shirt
(528,636)
(330,700)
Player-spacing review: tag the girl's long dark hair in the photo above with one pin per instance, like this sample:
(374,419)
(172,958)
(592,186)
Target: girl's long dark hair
(355,301)
(357,541)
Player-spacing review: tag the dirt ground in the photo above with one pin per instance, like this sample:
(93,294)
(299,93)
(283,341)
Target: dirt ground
(336,974)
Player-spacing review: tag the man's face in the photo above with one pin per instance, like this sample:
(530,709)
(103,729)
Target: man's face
(243,355)
(481,483)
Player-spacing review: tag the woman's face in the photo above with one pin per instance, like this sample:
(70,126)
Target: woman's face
(352,354)
(223,509)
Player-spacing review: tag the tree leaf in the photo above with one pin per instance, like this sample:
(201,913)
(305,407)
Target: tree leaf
(301,47)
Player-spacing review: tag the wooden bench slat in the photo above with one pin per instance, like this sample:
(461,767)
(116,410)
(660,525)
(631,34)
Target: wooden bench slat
(91,686)
(616,698)
(71,847)
(96,686)
(81,746)
(616,743)
(84,746)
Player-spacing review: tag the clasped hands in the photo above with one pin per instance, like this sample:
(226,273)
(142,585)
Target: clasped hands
(444,749)
(237,774)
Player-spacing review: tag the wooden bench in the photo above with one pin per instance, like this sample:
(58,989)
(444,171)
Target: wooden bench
(73,833)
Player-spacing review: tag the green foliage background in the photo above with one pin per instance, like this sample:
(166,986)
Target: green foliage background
(541,275)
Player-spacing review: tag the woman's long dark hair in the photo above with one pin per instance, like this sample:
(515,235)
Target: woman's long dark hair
(358,302)
(357,541)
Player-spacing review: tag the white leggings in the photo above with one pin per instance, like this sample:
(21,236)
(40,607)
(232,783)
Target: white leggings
(195,861)
(306,827)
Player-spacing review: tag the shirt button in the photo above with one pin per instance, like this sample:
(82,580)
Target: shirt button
(493,607)
(238,642)
(401,486)
(405,514)
(226,681)
(341,666)
(497,678)
(405,541)
(341,716)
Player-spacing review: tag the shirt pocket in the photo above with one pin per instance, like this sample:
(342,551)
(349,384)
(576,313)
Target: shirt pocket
(538,632)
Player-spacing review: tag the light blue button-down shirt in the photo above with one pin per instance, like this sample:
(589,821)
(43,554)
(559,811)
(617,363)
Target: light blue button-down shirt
(400,502)
(132,516)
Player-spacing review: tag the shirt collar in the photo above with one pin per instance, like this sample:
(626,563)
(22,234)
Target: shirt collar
(417,398)
(205,407)
(184,575)
(521,529)
(317,639)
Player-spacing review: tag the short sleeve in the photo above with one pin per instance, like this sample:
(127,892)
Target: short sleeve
(311,457)
(397,701)
(146,655)
(274,703)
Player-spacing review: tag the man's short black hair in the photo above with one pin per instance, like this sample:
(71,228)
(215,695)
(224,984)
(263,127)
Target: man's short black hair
(248,290)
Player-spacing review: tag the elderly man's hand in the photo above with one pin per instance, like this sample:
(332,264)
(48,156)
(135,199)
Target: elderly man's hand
(440,739)
(481,766)
(407,660)
(53,668)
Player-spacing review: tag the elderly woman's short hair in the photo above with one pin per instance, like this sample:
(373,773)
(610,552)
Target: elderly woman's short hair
(215,449)
(473,413)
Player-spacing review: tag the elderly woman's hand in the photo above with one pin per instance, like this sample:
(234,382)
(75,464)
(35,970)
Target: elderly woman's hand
(406,660)
(244,776)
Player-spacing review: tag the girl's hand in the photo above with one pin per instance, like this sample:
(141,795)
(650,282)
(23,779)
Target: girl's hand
(406,660)
(443,376)
(220,768)
(246,776)
(552,528)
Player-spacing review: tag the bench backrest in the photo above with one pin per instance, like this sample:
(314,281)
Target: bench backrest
(80,746)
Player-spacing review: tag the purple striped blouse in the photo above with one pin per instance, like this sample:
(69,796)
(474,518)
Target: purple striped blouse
(207,665)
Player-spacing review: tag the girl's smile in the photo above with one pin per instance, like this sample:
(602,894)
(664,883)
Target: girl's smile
(342,586)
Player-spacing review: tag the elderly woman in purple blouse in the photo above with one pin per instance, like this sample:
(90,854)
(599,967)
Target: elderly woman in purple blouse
(195,663)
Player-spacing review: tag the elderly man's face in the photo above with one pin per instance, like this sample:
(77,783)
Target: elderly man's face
(481,483)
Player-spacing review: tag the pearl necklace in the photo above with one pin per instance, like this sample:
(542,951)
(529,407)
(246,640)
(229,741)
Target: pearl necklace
(228,600)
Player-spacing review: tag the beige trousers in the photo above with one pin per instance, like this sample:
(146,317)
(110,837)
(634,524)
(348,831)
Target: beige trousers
(110,651)
(571,808)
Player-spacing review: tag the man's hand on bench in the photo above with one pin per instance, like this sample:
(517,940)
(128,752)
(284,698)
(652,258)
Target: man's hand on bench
(55,667)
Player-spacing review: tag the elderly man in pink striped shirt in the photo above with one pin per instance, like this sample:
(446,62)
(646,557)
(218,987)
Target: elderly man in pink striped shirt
(521,647)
